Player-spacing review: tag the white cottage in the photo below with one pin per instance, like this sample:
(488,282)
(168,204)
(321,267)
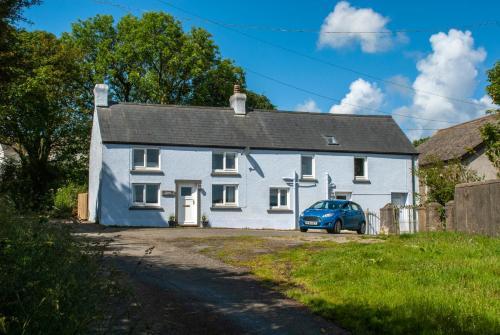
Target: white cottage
(239,168)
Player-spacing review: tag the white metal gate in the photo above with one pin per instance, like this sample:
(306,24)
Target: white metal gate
(407,219)
(372,223)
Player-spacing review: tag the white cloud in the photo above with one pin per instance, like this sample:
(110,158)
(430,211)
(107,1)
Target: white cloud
(344,17)
(450,70)
(361,94)
(399,85)
(308,106)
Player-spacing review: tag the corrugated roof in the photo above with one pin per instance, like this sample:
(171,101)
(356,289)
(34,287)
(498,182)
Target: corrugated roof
(453,142)
(258,129)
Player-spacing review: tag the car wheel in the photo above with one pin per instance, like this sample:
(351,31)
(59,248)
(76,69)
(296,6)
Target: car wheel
(337,226)
(330,230)
(303,230)
(362,228)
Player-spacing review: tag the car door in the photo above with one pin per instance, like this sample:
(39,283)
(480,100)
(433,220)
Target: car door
(348,216)
(357,214)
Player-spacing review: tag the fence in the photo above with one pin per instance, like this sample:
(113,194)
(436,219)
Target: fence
(399,219)
(406,217)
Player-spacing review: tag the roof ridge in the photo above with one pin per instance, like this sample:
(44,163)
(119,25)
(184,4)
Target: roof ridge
(168,105)
(466,122)
(322,113)
(253,110)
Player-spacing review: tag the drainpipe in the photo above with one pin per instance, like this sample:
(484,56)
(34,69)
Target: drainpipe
(296,202)
(413,184)
(327,186)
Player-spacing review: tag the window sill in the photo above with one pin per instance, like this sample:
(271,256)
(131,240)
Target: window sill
(279,210)
(361,181)
(225,174)
(147,171)
(225,208)
(147,208)
(309,179)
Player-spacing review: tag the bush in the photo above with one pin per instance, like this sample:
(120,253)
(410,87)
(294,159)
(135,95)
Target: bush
(441,179)
(52,282)
(66,198)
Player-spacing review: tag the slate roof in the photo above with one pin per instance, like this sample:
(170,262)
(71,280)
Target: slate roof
(258,129)
(453,142)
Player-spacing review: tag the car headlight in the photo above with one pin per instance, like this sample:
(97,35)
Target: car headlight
(328,215)
(301,216)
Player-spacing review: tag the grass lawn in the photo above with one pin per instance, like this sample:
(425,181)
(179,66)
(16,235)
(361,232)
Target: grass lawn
(436,283)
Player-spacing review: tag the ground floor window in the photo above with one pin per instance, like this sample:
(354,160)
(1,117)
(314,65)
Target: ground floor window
(145,194)
(225,195)
(278,198)
(340,195)
(399,199)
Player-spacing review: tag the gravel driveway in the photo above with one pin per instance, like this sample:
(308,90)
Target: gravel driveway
(184,292)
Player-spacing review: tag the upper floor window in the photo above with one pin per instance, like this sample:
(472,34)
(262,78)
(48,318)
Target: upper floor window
(224,162)
(360,168)
(146,159)
(307,166)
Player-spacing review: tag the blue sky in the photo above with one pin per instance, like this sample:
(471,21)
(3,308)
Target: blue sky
(447,75)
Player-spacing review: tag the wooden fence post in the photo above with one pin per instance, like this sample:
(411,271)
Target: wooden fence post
(83,208)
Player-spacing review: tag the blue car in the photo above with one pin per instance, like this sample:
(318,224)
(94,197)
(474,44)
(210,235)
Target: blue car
(333,215)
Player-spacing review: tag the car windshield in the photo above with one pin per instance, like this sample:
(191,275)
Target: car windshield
(326,205)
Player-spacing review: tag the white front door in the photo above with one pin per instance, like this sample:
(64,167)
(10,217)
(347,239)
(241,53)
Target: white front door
(187,194)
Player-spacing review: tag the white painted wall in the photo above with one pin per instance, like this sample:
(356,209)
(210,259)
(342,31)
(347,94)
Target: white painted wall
(95,164)
(387,173)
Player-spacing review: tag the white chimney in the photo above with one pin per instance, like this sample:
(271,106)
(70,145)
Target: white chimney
(237,101)
(101,95)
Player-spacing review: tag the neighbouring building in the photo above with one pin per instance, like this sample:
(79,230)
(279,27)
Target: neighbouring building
(7,152)
(239,168)
(462,142)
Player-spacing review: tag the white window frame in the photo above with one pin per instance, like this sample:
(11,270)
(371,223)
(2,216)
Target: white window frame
(224,203)
(144,167)
(224,154)
(144,203)
(313,167)
(348,195)
(365,168)
(280,189)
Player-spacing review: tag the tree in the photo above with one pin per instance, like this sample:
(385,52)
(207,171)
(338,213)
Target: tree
(490,132)
(43,117)
(441,179)
(10,13)
(150,59)
(416,143)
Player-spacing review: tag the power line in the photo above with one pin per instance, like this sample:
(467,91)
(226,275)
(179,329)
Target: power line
(319,60)
(337,100)
(290,85)
(386,32)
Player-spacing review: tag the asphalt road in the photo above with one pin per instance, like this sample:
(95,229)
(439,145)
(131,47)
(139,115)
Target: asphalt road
(184,292)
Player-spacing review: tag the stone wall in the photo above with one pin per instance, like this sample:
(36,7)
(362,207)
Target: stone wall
(477,208)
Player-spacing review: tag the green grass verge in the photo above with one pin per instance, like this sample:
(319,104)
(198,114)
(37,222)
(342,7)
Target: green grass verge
(439,283)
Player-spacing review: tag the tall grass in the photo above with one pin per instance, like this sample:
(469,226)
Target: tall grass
(51,282)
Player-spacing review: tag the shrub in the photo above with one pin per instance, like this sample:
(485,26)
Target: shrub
(52,282)
(441,179)
(65,199)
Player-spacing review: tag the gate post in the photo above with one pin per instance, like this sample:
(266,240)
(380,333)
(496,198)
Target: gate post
(433,216)
(422,219)
(388,224)
(450,216)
